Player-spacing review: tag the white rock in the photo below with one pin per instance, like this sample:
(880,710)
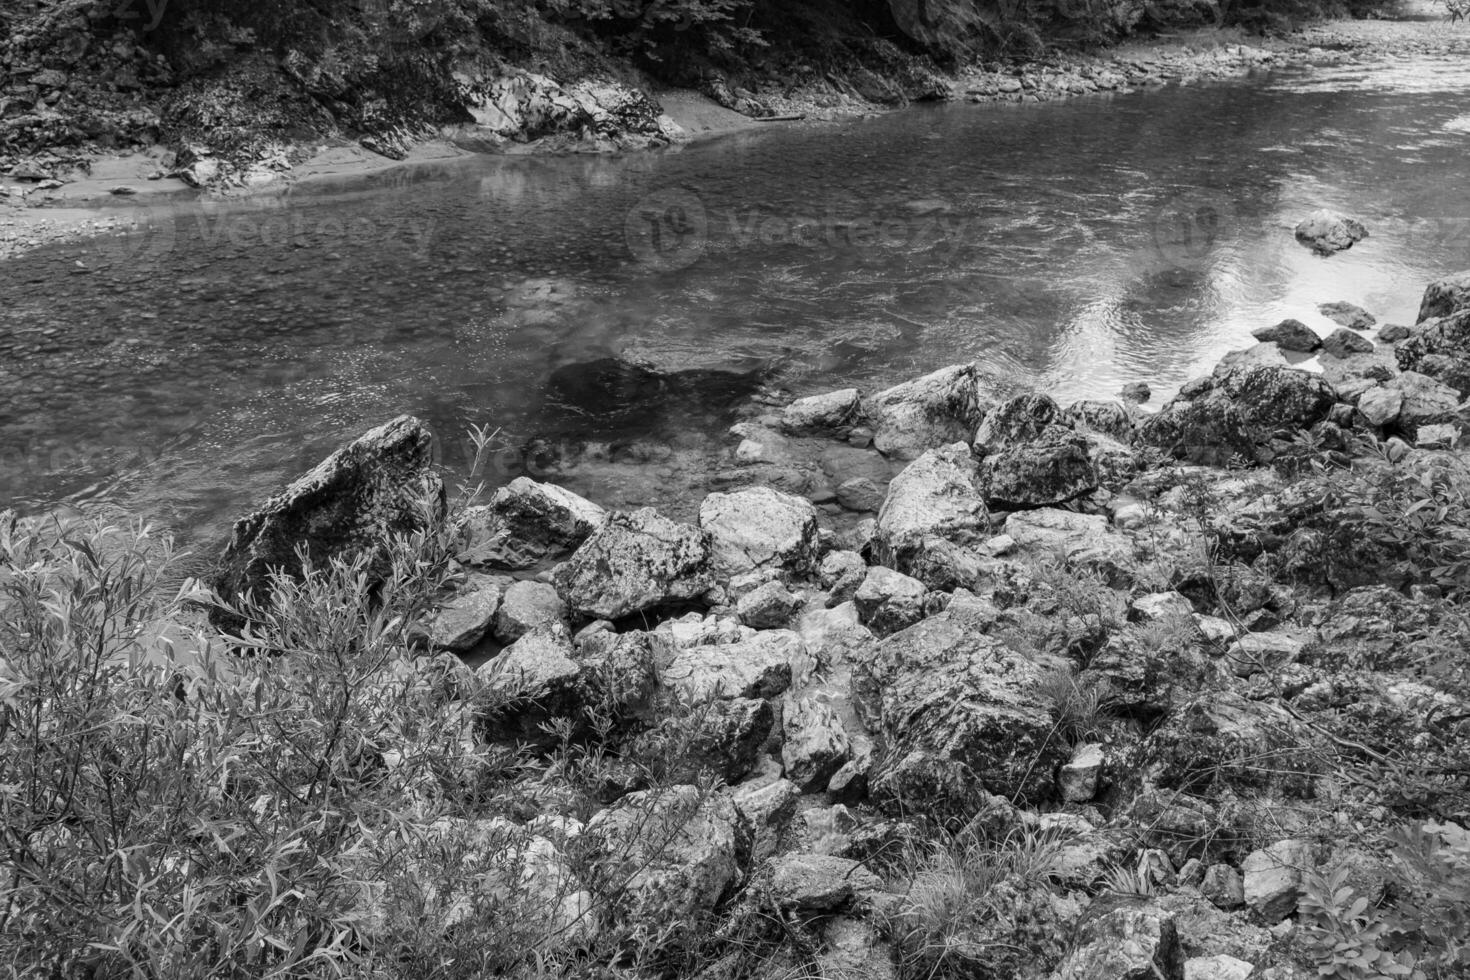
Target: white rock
(759,528)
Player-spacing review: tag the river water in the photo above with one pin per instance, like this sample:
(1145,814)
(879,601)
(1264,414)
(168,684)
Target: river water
(192,366)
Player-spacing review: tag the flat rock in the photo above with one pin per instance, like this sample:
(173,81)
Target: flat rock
(830,410)
(527,606)
(1347,315)
(759,667)
(1345,343)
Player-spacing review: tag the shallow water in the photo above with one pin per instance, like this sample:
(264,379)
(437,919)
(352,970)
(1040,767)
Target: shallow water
(190,367)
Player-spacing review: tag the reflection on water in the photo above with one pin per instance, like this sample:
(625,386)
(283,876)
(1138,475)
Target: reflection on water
(216,350)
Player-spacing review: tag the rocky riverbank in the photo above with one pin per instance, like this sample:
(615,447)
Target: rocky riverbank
(82,126)
(1091,693)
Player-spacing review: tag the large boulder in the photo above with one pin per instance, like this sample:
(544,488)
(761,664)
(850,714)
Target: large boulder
(937,409)
(1053,468)
(461,620)
(826,411)
(934,506)
(889,601)
(1236,410)
(946,687)
(350,506)
(1425,400)
(531,681)
(759,528)
(1447,336)
(634,562)
(663,857)
(526,523)
(815,744)
(724,738)
(1446,297)
(1326,232)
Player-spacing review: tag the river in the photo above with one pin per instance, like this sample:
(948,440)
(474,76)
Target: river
(190,367)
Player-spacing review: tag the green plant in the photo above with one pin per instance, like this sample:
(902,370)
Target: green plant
(1076,704)
(1345,937)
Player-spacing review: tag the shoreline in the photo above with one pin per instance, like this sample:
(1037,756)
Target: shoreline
(81,209)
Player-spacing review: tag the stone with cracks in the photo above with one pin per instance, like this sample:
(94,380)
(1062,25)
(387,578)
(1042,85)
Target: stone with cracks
(349,507)
(819,882)
(944,686)
(1326,232)
(1426,401)
(841,574)
(1235,410)
(935,501)
(769,606)
(634,562)
(532,680)
(935,410)
(1079,779)
(725,738)
(759,528)
(815,746)
(526,523)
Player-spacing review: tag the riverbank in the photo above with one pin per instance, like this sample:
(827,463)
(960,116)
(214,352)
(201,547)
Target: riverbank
(96,194)
(1088,692)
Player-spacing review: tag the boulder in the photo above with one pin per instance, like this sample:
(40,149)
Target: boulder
(819,882)
(946,687)
(1161,606)
(1220,967)
(841,574)
(759,528)
(724,738)
(635,562)
(532,680)
(769,807)
(759,667)
(1124,938)
(1326,232)
(917,781)
(1448,369)
(350,506)
(1079,780)
(1016,420)
(667,856)
(1381,406)
(462,620)
(860,494)
(1426,401)
(1235,410)
(936,500)
(888,601)
(1273,879)
(815,744)
(1345,343)
(831,410)
(527,606)
(1052,469)
(1347,315)
(1448,335)
(1083,540)
(1223,886)
(526,523)
(1445,297)
(1292,335)
(932,411)
(770,606)
(1109,419)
